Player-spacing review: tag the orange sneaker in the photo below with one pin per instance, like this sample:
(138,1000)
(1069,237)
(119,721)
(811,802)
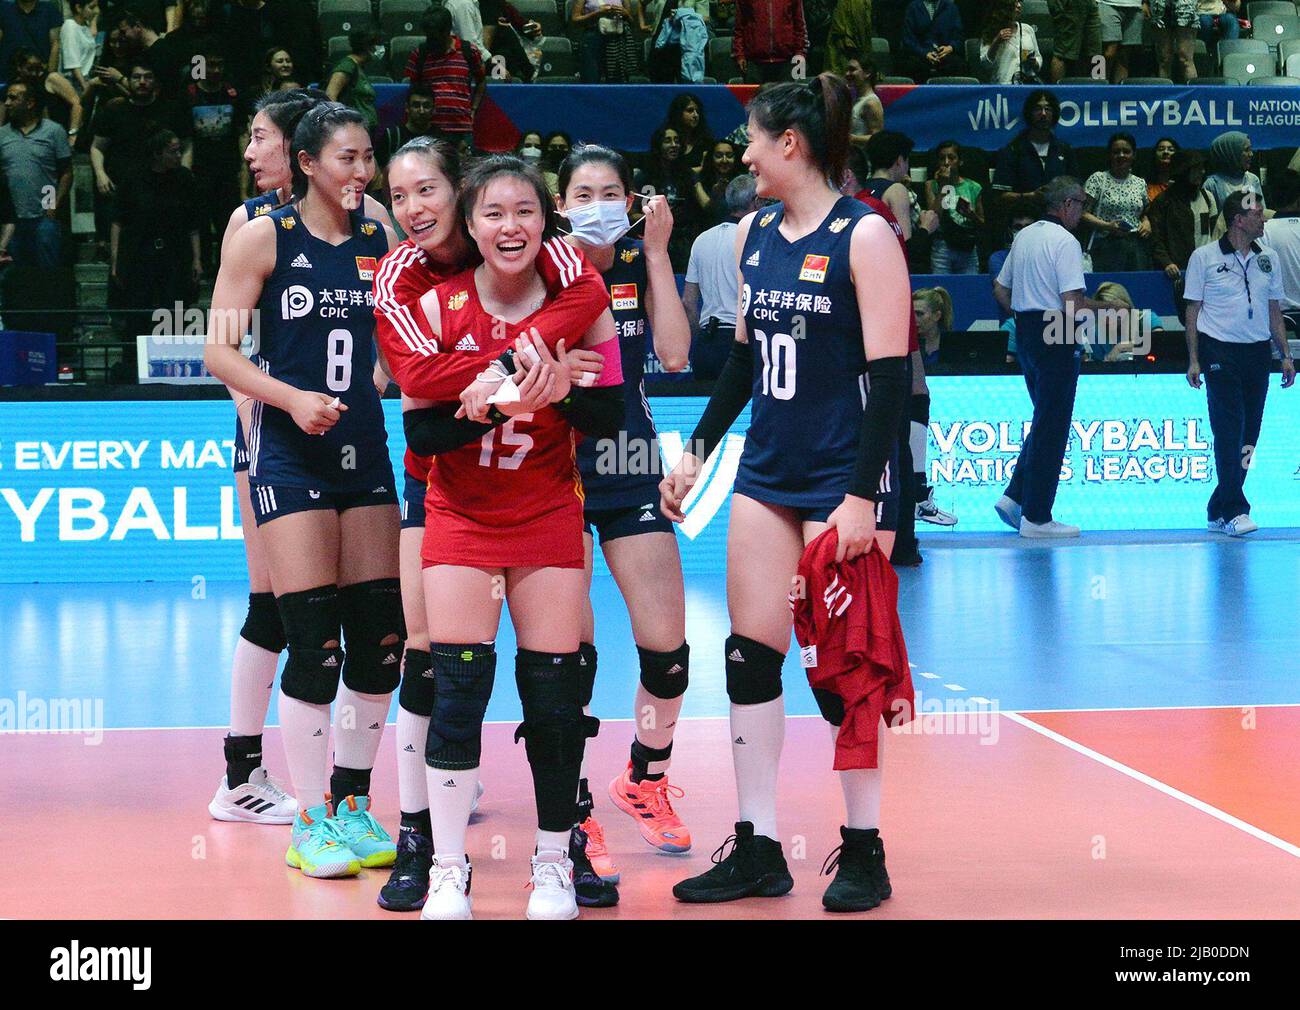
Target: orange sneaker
(649,804)
(597,853)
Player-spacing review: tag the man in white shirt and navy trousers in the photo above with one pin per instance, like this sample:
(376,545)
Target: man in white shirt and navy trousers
(1041,281)
(1234,293)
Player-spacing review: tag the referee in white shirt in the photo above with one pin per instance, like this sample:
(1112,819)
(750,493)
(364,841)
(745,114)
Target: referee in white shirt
(1041,281)
(1234,293)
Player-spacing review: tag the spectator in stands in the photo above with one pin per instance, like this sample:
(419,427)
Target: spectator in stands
(849,35)
(452,72)
(666,174)
(138,37)
(53,91)
(1218,19)
(278,73)
(1117,211)
(1121,34)
(155,258)
(933,310)
(467,25)
(1036,156)
(721,165)
(1282,235)
(868,111)
(1175,23)
(555,148)
(679,46)
(1076,37)
(1118,336)
(711,291)
(1230,160)
(959,202)
(218,116)
(769,35)
(1009,52)
(77,42)
(418,122)
(348,82)
(1162,157)
(159,16)
(933,42)
(27,24)
(608,49)
(1021,215)
(889,154)
(251,27)
(122,127)
(887,20)
(531,149)
(508,34)
(686,116)
(173,54)
(1234,294)
(1182,219)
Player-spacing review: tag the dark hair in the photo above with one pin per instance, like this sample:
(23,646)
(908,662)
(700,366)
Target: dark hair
(868,65)
(858,165)
(37,98)
(1127,138)
(818,110)
(1236,204)
(700,136)
(436,24)
(313,132)
(420,91)
(487,169)
(948,143)
(1182,166)
(1021,207)
(157,142)
(590,154)
(886,147)
(1285,188)
(1002,14)
(266,57)
(709,175)
(1036,96)
(446,155)
(547,158)
(129,20)
(362,40)
(21,55)
(285,109)
(1167,140)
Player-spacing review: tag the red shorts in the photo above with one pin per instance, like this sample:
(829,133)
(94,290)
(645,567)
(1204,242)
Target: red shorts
(551,540)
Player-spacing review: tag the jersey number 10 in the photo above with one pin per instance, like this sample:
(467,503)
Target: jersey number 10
(778,364)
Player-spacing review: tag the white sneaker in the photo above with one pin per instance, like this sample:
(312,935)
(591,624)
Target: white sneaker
(449,891)
(260,800)
(1240,526)
(1216,526)
(1008,511)
(1050,530)
(927,511)
(478,795)
(553,896)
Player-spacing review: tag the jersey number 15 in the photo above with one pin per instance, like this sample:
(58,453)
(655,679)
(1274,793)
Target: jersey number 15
(505,438)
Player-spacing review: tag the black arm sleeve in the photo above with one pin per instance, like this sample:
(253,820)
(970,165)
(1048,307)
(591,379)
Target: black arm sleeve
(597,413)
(886,400)
(434,430)
(731,391)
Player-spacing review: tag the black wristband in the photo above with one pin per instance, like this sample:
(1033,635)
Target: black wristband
(731,391)
(886,400)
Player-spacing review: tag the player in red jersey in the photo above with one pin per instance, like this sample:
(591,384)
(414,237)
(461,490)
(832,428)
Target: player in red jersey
(423,178)
(504,513)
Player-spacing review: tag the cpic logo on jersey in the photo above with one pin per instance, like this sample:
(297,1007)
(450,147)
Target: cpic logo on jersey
(814,268)
(745,295)
(296,301)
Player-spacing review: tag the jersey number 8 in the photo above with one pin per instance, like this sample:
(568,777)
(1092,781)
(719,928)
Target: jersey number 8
(338,361)
(778,364)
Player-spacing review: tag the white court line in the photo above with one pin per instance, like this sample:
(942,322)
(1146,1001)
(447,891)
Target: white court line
(1156,784)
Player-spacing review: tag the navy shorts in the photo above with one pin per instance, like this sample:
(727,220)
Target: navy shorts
(629,521)
(273,501)
(414,493)
(241,449)
(886,501)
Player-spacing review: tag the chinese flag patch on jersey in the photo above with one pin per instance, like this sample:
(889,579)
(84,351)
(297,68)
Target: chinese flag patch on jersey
(814,268)
(623,296)
(366,268)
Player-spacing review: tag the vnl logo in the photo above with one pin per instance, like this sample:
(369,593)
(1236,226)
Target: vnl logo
(993,114)
(715,483)
(75,963)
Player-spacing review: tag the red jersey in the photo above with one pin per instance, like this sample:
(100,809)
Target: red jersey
(851,643)
(406,273)
(882,208)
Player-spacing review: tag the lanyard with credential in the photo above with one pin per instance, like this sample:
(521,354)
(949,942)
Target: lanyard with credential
(1245,275)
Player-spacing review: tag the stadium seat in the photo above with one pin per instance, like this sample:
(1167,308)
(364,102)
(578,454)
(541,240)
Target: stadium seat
(1229,46)
(1215,80)
(1206,62)
(720,64)
(336,49)
(1275,29)
(545,13)
(1244,66)
(954,80)
(1082,80)
(401,17)
(1288,49)
(338,17)
(399,52)
(380,79)
(881,55)
(1257,7)
(557,59)
(1276,82)
(1036,13)
(897,80)
(1147,80)
(973,60)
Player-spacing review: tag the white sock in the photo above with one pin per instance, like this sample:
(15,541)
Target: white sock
(757,761)
(586,750)
(358,727)
(656,721)
(305,729)
(918,440)
(552,841)
(451,794)
(412,733)
(252,675)
(862,787)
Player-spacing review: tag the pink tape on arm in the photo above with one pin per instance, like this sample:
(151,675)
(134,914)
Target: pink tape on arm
(612,373)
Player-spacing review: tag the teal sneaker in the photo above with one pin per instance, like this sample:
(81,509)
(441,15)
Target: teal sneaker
(364,835)
(318,848)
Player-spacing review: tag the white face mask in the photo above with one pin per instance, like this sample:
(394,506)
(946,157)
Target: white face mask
(599,223)
(532,155)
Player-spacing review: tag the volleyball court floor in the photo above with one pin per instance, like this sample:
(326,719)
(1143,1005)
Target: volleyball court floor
(1120,737)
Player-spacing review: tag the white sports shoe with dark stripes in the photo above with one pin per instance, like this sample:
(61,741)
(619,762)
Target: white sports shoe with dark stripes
(260,800)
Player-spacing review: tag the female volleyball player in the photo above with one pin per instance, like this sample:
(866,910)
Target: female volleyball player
(504,510)
(423,178)
(320,479)
(248,793)
(638,542)
(825,295)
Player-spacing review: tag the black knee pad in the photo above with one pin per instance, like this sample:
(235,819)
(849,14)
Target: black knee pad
(554,729)
(372,611)
(263,627)
(831,706)
(312,618)
(920,409)
(753,671)
(463,677)
(586,672)
(417,691)
(664,674)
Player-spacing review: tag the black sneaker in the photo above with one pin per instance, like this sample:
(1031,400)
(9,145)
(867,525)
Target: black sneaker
(408,884)
(590,889)
(861,882)
(755,868)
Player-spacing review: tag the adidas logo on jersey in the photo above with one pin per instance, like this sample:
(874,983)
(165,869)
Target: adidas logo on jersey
(332,661)
(390,658)
(736,657)
(449,784)
(301,261)
(466,343)
(409,748)
(318,733)
(753,260)
(647,517)
(739,741)
(374,725)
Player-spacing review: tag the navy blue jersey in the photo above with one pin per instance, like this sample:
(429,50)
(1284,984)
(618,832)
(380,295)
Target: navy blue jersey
(801,314)
(317,332)
(636,448)
(260,205)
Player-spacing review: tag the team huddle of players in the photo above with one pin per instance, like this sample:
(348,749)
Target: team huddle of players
(495,321)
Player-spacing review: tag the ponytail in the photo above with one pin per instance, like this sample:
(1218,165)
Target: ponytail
(819,110)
